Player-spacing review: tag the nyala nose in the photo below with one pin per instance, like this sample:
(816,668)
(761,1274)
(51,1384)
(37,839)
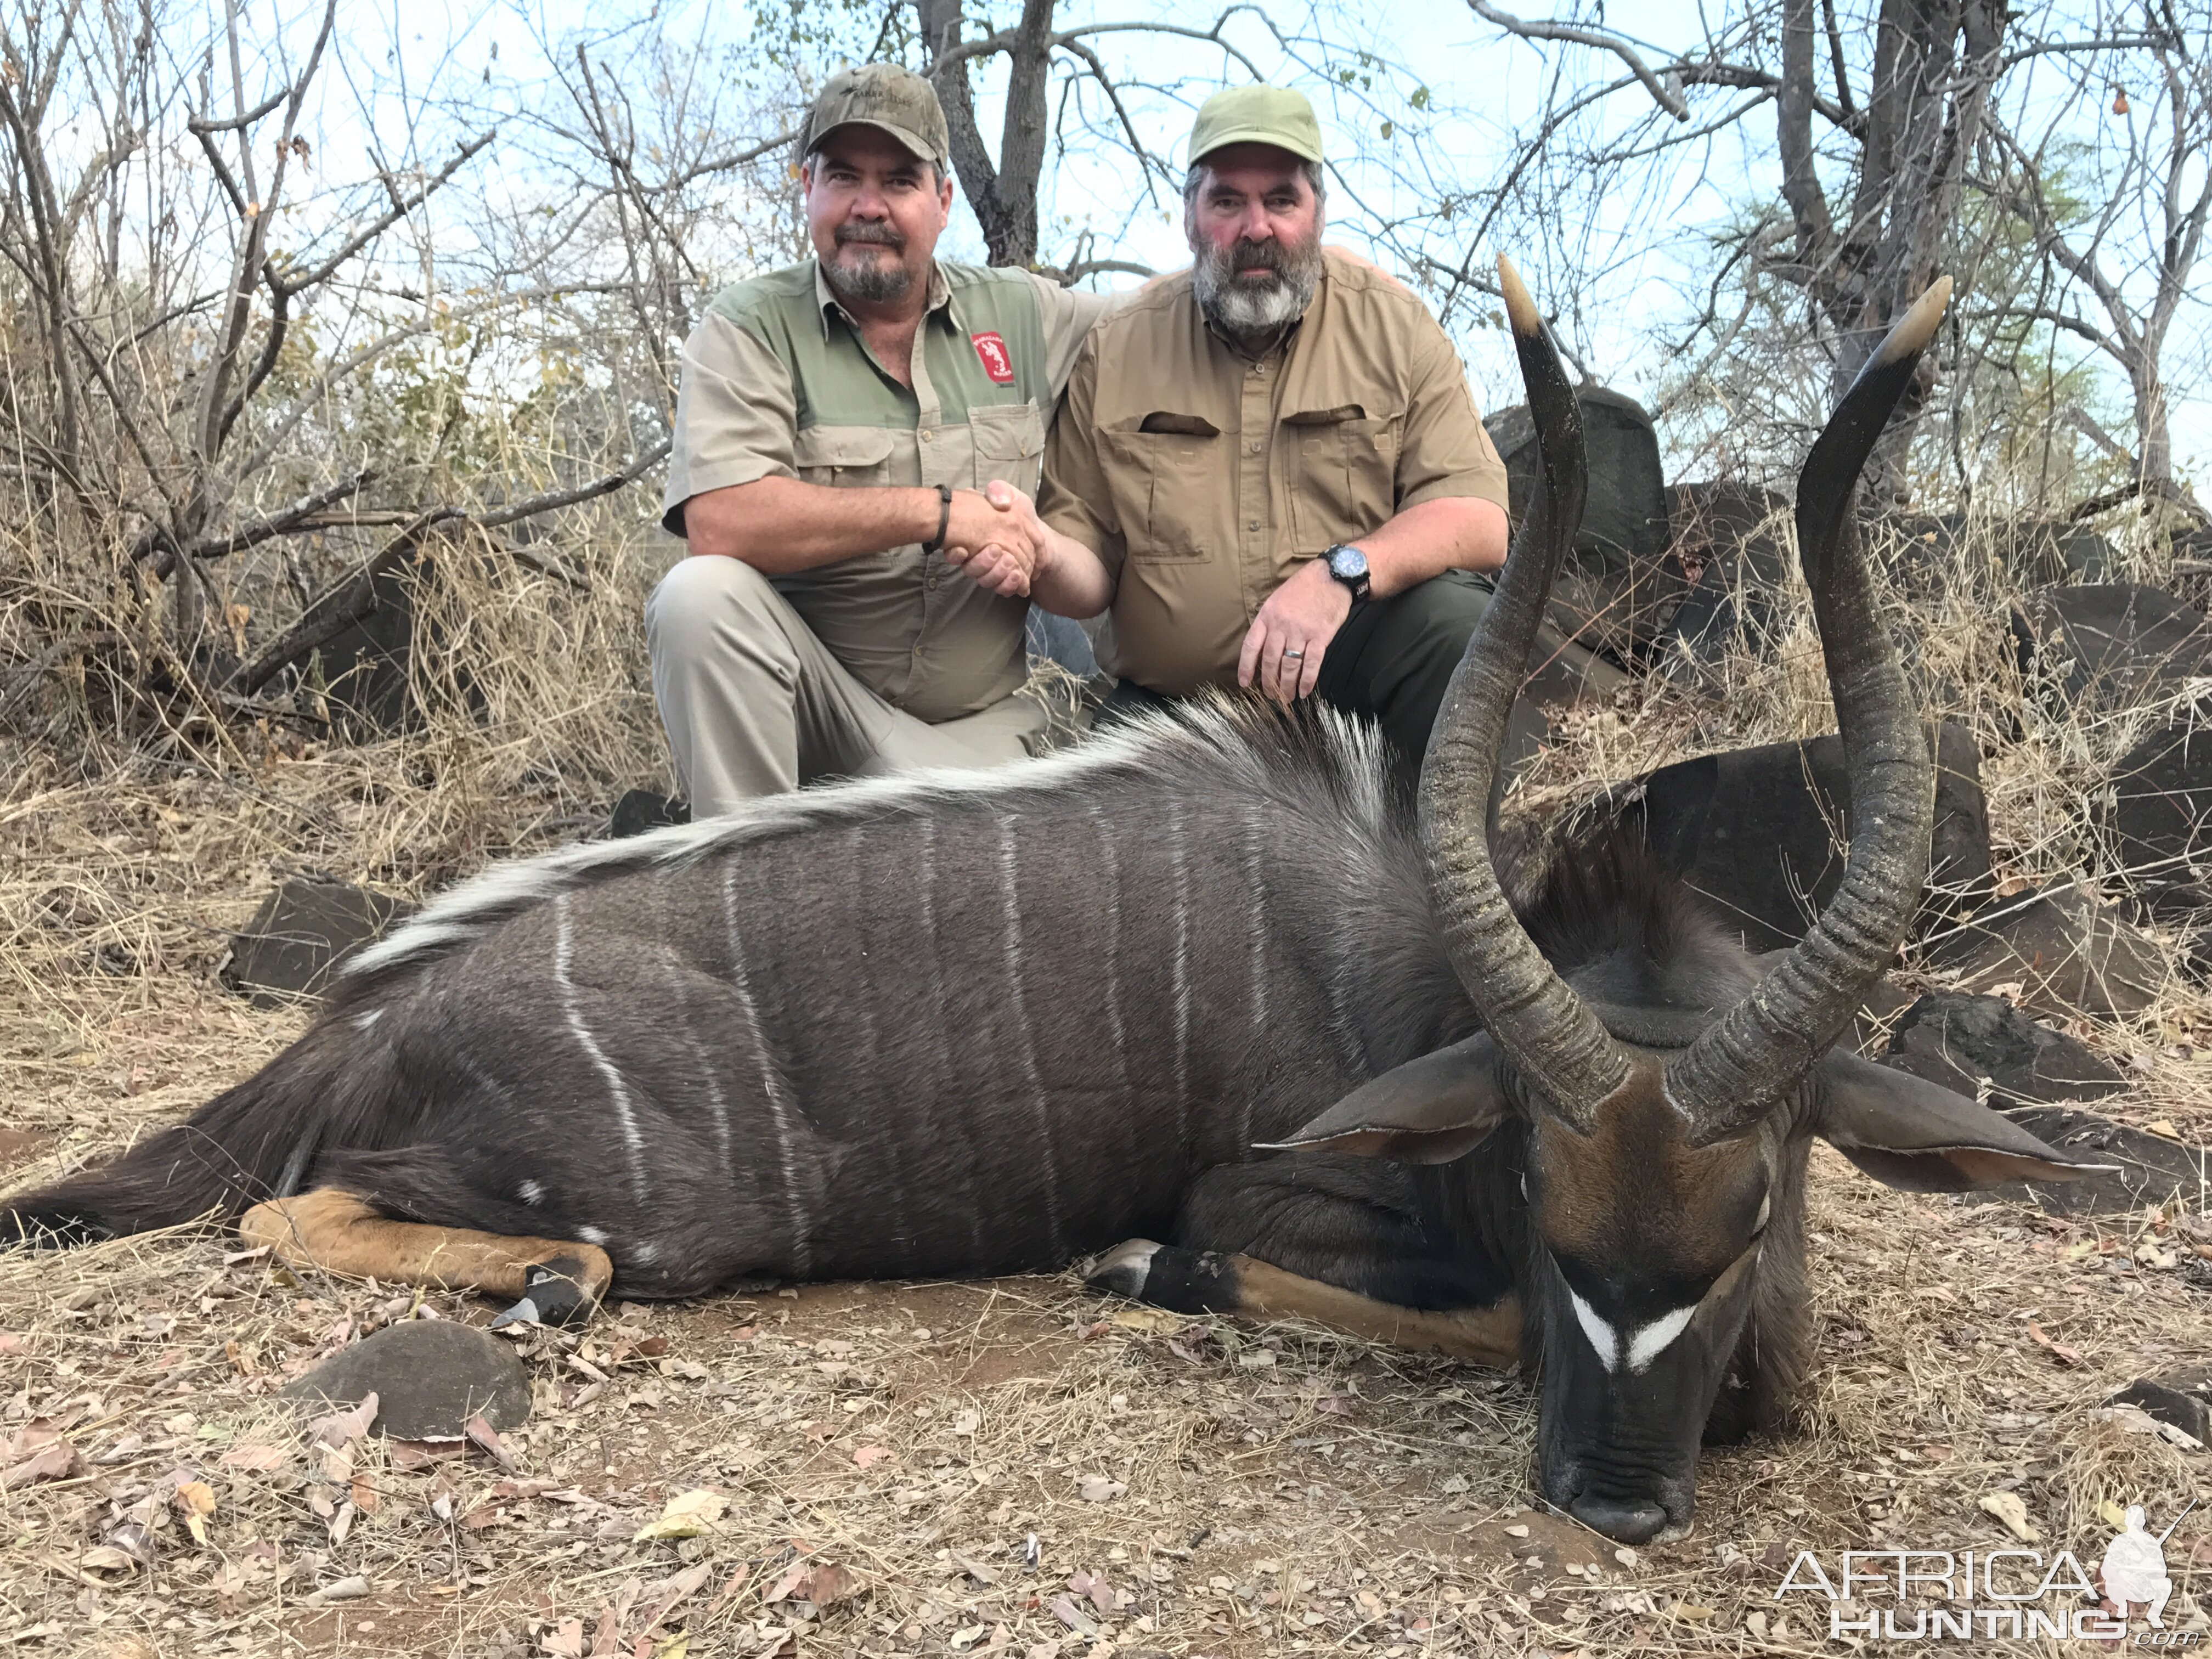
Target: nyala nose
(1630,1523)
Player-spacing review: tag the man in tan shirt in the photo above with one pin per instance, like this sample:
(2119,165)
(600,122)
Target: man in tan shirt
(1269,467)
(841,429)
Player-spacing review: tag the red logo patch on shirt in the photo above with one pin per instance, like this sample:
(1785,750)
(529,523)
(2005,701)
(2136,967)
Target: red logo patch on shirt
(991,351)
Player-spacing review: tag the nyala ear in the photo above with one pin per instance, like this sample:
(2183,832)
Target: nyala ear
(1429,1110)
(1919,1137)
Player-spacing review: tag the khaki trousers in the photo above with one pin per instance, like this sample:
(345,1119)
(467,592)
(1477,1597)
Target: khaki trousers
(754,704)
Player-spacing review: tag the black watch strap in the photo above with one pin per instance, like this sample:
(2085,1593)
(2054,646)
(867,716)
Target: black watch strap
(936,544)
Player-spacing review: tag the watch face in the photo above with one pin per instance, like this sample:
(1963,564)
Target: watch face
(1347,564)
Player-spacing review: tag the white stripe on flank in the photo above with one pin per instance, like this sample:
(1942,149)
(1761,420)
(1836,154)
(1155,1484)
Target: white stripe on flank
(717,1102)
(1255,889)
(772,1085)
(1113,952)
(1182,974)
(1350,1048)
(1647,1344)
(969,1167)
(615,1087)
(1011,900)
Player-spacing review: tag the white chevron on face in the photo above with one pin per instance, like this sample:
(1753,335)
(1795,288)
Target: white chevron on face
(1636,1349)
(1654,1338)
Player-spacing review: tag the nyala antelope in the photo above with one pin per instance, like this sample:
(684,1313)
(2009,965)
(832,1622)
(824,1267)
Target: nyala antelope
(1215,981)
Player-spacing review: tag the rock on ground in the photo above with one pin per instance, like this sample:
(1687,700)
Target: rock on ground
(1761,832)
(2064,952)
(2110,645)
(302,932)
(1956,1040)
(429,1377)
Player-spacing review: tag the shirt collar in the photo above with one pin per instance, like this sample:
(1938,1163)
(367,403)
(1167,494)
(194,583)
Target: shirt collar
(827,304)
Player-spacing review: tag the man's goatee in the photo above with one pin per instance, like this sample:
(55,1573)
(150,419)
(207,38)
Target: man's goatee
(1245,307)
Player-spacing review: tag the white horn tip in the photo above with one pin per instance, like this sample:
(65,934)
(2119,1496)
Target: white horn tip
(1519,308)
(1917,327)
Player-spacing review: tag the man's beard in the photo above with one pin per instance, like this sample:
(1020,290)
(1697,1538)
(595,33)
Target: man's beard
(869,280)
(1248,308)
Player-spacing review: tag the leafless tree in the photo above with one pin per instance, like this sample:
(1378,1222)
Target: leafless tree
(1003,190)
(1876,121)
(223,345)
(2121,215)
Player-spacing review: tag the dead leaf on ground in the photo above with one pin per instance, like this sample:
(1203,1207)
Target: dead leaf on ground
(2065,1355)
(730,1586)
(254,1459)
(482,1435)
(662,1598)
(341,1429)
(195,1501)
(825,1584)
(56,1460)
(2009,1510)
(687,1514)
(868,1456)
(407,1454)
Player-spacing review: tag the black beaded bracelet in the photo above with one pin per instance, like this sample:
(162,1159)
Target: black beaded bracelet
(936,544)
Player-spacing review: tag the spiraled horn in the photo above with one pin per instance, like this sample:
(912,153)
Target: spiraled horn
(1554,1042)
(1739,1067)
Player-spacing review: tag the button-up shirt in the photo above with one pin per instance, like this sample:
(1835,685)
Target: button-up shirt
(777,382)
(1202,477)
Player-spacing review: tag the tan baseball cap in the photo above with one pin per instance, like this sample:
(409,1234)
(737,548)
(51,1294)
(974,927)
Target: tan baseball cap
(885,96)
(1257,115)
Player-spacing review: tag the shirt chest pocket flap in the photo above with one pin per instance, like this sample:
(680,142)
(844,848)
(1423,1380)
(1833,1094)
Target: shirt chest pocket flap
(842,455)
(1344,481)
(1009,439)
(1169,480)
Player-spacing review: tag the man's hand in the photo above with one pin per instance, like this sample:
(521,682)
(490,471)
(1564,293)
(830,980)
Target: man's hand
(998,540)
(1284,647)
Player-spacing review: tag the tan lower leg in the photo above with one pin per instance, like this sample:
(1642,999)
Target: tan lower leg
(1488,1336)
(340,1234)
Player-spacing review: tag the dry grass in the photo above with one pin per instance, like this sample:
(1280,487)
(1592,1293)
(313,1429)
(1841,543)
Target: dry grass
(1262,1491)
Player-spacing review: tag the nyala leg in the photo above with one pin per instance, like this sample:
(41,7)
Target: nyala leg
(553,1281)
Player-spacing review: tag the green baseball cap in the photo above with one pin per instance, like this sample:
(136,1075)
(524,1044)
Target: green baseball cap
(1257,115)
(884,96)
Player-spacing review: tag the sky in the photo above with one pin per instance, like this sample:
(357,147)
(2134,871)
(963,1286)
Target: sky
(1635,265)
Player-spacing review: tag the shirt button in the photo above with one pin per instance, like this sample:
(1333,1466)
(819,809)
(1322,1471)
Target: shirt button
(1252,523)
(1256,445)
(927,435)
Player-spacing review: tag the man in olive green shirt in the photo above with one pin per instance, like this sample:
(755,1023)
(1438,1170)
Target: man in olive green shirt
(1269,467)
(841,429)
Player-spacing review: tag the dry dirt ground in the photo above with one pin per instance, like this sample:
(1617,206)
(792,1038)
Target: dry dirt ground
(1016,1468)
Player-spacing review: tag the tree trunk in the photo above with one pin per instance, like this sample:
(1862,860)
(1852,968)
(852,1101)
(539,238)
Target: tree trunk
(1003,194)
(2153,443)
(1934,62)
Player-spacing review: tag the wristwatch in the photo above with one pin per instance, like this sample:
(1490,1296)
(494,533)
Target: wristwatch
(1349,566)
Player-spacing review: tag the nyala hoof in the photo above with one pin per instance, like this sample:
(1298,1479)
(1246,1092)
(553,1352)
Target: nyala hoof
(1123,1270)
(553,1293)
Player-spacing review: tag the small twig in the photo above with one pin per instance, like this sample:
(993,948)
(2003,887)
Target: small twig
(29,674)
(282,522)
(551,500)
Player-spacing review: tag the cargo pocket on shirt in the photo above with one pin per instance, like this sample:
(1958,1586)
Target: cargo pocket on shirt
(1166,484)
(1347,471)
(842,455)
(1009,439)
